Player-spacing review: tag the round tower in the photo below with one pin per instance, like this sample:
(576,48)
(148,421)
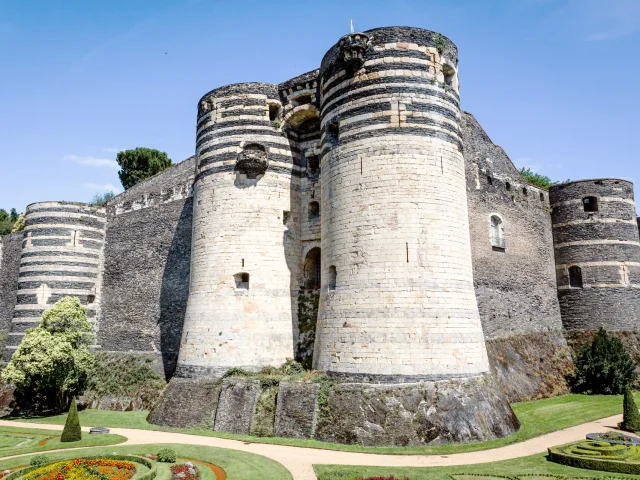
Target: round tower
(61,256)
(595,235)
(240,311)
(397,295)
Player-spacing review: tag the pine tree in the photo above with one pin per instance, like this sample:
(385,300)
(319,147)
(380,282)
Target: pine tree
(630,416)
(72,431)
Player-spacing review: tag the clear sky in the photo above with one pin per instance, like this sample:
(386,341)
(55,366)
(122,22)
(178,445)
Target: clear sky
(554,82)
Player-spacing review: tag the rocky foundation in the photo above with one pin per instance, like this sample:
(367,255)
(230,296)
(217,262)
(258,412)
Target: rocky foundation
(425,413)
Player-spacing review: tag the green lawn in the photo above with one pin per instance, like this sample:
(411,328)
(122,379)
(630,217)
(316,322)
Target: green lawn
(536,417)
(17,441)
(237,465)
(536,464)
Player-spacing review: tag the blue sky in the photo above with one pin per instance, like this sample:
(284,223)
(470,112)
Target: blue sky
(554,82)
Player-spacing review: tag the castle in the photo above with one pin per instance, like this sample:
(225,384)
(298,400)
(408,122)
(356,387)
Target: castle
(353,218)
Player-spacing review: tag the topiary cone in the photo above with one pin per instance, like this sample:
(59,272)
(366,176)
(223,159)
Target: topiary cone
(630,416)
(72,431)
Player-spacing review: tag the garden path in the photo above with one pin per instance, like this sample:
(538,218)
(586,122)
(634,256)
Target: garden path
(299,461)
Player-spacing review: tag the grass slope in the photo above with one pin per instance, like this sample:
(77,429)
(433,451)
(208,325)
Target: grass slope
(536,417)
(536,464)
(18,441)
(237,465)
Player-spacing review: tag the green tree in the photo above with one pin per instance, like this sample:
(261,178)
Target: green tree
(630,416)
(101,199)
(536,179)
(19,225)
(72,431)
(13,216)
(140,164)
(53,362)
(604,366)
(3,215)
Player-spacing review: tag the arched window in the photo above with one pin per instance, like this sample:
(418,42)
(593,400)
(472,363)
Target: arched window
(312,272)
(314,211)
(575,277)
(524,191)
(449,74)
(333,276)
(497,233)
(541,197)
(590,204)
(489,180)
(507,186)
(242,280)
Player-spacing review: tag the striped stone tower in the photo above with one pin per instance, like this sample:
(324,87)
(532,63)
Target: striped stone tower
(240,311)
(595,234)
(61,256)
(397,298)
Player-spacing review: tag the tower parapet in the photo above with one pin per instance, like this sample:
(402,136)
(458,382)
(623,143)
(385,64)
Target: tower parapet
(595,234)
(397,296)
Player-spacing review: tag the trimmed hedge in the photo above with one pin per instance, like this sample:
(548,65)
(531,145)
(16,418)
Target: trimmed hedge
(602,464)
(72,431)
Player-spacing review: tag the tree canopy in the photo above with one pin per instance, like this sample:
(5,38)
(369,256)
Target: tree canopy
(53,362)
(8,221)
(139,164)
(101,199)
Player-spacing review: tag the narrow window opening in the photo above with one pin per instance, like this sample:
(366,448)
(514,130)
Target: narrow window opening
(406,245)
(333,276)
(575,277)
(314,211)
(590,204)
(286,215)
(91,298)
(75,238)
(524,191)
(312,271)
(274,111)
(243,263)
(541,197)
(498,241)
(242,281)
(333,132)
(489,180)
(507,186)
(313,167)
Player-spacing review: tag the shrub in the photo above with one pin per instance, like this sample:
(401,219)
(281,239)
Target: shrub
(39,461)
(18,226)
(630,416)
(72,431)
(53,362)
(603,366)
(167,455)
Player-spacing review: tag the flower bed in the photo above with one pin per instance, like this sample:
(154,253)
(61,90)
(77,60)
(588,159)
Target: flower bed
(84,469)
(185,471)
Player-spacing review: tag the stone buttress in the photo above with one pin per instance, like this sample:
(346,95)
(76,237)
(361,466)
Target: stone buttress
(61,256)
(595,234)
(240,311)
(397,297)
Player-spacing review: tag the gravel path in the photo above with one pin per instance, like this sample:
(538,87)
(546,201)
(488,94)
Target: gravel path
(300,461)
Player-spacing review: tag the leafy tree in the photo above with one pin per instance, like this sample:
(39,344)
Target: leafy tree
(19,225)
(13,216)
(630,416)
(8,221)
(101,199)
(3,215)
(53,362)
(536,179)
(604,366)
(140,164)
(72,431)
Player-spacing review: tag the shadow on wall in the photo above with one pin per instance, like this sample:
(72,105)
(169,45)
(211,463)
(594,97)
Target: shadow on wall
(174,292)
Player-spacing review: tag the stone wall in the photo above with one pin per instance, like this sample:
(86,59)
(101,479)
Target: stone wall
(515,285)
(596,237)
(10,250)
(429,413)
(147,265)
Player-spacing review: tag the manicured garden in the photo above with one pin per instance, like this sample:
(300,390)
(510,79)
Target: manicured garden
(144,462)
(535,467)
(17,441)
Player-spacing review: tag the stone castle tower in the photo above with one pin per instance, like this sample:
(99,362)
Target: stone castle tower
(396,291)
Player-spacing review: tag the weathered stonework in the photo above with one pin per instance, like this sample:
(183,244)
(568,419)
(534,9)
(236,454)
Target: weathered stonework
(237,405)
(297,411)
